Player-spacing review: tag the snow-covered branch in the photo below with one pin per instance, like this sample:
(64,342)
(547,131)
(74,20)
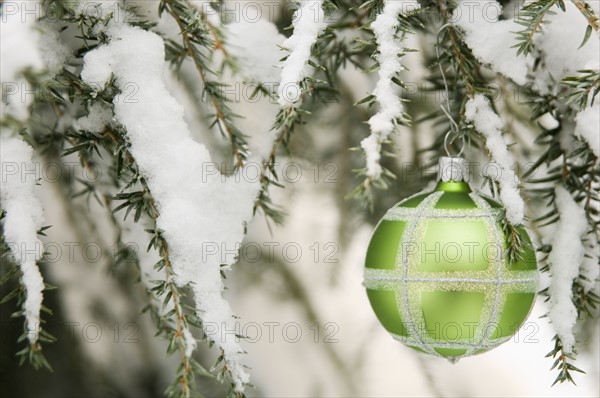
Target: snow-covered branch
(588,127)
(565,260)
(487,122)
(24,217)
(386,92)
(309,22)
(199,209)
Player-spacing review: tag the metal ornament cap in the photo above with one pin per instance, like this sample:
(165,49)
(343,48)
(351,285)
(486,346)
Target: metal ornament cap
(452,168)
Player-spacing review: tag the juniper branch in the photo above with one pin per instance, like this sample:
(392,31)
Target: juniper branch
(589,14)
(585,85)
(531,16)
(171,292)
(10,271)
(193,32)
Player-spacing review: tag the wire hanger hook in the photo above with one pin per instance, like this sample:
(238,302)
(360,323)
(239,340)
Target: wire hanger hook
(453,125)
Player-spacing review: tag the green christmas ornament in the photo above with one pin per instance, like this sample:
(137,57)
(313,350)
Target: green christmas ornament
(437,274)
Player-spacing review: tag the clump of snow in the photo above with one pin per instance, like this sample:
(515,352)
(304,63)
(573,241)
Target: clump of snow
(55,53)
(24,217)
(559,43)
(386,92)
(256,46)
(547,121)
(309,23)
(587,126)
(202,213)
(565,259)
(492,40)
(99,116)
(487,122)
(17,55)
(190,342)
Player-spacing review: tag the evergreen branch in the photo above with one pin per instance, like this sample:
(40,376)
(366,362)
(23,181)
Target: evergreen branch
(218,41)
(407,24)
(531,16)
(578,177)
(586,301)
(562,363)
(589,14)
(514,241)
(459,54)
(113,141)
(185,372)
(10,271)
(144,201)
(193,32)
(585,85)
(332,52)
(285,122)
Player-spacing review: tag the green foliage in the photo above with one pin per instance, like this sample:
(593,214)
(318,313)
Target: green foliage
(577,172)
(197,36)
(562,363)
(585,86)
(531,17)
(10,275)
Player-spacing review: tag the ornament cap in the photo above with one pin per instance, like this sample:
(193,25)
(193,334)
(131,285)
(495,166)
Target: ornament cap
(452,168)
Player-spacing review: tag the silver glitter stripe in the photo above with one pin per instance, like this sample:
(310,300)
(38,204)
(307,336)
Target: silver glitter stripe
(397,274)
(445,344)
(487,333)
(401,216)
(413,224)
(447,280)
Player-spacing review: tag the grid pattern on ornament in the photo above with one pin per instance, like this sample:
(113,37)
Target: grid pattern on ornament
(495,281)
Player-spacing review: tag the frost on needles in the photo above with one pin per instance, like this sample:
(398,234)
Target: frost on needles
(197,205)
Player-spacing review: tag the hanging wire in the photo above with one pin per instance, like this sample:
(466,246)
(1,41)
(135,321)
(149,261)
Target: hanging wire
(453,125)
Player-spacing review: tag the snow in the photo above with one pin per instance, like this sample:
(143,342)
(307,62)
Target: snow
(487,122)
(202,213)
(17,56)
(24,217)
(190,342)
(386,92)
(559,42)
(565,259)
(54,52)
(309,23)
(587,126)
(256,46)
(99,116)
(492,40)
